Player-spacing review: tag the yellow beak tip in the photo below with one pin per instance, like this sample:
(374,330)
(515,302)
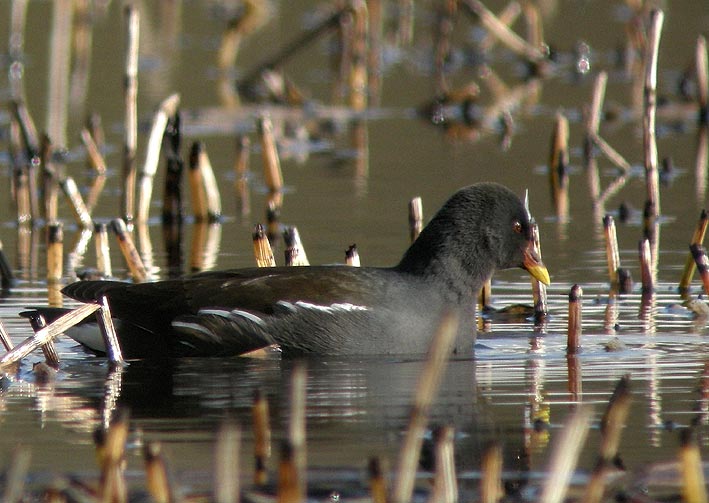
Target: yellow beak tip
(540,273)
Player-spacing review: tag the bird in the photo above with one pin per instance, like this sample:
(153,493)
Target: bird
(330,309)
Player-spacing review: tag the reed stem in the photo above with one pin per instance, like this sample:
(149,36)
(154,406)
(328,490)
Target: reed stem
(649,110)
(152,155)
(612,253)
(573,344)
(697,239)
(352,256)
(262,248)
(227,465)
(415,217)
(130,253)
(491,490)
(565,455)
(262,437)
(105,323)
(132,19)
(426,389)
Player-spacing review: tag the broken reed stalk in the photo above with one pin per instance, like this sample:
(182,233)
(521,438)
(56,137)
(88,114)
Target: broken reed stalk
(296,427)
(446,12)
(289,485)
(650,228)
(96,159)
(613,420)
(699,254)
(445,485)
(426,389)
(269,153)
(594,138)
(71,191)
(415,217)
(60,52)
(167,109)
(27,129)
(612,154)
(156,478)
(17,474)
(49,181)
(226,463)
(273,217)
(145,245)
(358,53)
(206,201)
(61,324)
(5,338)
(172,196)
(697,239)
(130,253)
(507,17)
(691,470)
(485,296)
(649,109)
(702,68)
(111,455)
(23,131)
(352,256)
(559,167)
(612,424)
(262,248)
(295,252)
(262,437)
(95,128)
(55,251)
(374,57)
(95,192)
(612,253)
(646,275)
(98,164)
(291,48)
(7,278)
(539,289)
(377,481)
(491,490)
(565,454)
(513,41)
(16,42)
(20,178)
(197,192)
(344,43)
(573,334)
(132,19)
(103,254)
(241,170)
(535,28)
(37,322)
(108,331)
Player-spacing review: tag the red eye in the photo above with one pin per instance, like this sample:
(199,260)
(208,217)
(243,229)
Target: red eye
(517,226)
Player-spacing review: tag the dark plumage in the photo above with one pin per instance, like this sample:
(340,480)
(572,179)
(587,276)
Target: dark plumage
(332,309)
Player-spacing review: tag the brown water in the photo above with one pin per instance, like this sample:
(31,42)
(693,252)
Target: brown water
(338,193)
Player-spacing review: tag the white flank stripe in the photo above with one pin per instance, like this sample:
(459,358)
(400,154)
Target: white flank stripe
(332,308)
(193,326)
(248,316)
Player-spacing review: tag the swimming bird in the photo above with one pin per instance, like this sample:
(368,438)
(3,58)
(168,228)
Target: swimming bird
(331,310)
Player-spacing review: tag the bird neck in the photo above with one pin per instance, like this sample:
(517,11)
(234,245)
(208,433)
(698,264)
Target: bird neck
(462,272)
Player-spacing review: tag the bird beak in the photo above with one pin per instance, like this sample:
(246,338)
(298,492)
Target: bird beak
(534,266)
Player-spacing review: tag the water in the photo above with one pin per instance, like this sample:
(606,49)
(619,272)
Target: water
(339,191)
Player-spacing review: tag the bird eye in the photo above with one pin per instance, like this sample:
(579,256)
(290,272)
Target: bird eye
(517,226)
